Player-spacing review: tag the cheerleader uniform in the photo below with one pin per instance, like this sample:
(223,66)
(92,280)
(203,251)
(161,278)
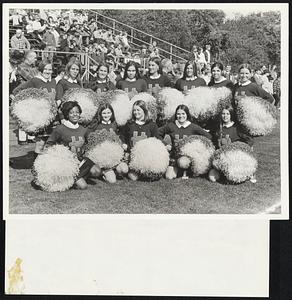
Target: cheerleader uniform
(64,85)
(72,136)
(136,85)
(251,89)
(154,85)
(184,85)
(133,132)
(109,126)
(224,83)
(101,86)
(230,133)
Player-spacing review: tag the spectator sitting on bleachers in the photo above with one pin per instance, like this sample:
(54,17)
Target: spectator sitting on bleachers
(19,41)
(50,41)
(27,69)
(103,48)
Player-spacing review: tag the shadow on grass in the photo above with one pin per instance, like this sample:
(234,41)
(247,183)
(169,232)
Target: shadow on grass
(35,186)
(23,162)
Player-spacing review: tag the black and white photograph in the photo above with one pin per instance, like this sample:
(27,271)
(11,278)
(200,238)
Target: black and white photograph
(146,111)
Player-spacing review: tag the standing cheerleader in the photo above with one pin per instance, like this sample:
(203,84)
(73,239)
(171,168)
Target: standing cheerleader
(217,79)
(180,128)
(43,80)
(155,79)
(227,132)
(138,128)
(102,82)
(131,82)
(189,79)
(70,79)
(73,136)
(245,87)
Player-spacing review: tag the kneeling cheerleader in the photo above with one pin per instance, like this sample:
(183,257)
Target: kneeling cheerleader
(180,129)
(73,136)
(234,158)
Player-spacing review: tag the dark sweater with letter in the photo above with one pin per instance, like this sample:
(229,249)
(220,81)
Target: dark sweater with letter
(184,85)
(138,85)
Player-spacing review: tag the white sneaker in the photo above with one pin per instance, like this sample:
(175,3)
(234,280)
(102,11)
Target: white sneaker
(253,179)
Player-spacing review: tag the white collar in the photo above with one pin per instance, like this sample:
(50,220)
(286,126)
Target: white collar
(245,83)
(139,122)
(72,80)
(40,76)
(191,78)
(154,77)
(185,125)
(106,123)
(221,80)
(68,124)
(228,125)
(101,81)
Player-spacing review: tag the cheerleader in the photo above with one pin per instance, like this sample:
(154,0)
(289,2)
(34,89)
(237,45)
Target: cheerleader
(138,128)
(73,136)
(43,80)
(190,79)
(70,80)
(180,128)
(155,79)
(217,79)
(131,82)
(102,82)
(228,132)
(245,87)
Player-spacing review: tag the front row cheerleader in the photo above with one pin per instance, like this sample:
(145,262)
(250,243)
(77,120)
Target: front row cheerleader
(181,127)
(73,136)
(228,132)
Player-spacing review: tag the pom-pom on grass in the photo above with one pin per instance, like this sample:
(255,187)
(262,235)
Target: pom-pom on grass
(168,100)
(34,110)
(206,103)
(257,116)
(56,169)
(104,148)
(236,162)
(149,159)
(87,99)
(200,150)
(120,102)
(151,104)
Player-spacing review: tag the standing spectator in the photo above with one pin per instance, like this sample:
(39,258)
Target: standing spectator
(267,84)
(27,69)
(201,56)
(206,73)
(50,41)
(19,41)
(257,77)
(194,54)
(277,90)
(207,54)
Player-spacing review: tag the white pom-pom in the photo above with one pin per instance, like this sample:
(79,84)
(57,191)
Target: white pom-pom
(168,100)
(200,150)
(256,115)
(106,155)
(56,169)
(149,158)
(122,107)
(236,162)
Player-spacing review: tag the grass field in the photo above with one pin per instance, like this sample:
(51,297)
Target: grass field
(192,196)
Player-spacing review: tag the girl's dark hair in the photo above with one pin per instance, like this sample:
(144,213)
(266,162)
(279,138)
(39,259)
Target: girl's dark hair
(186,110)
(102,108)
(245,66)
(103,65)
(195,70)
(67,106)
(128,65)
(43,64)
(218,65)
(142,105)
(158,62)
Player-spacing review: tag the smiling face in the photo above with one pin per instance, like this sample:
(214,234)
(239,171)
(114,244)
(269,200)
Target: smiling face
(74,115)
(216,73)
(181,116)
(190,71)
(47,72)
(131,72)
(106,114)
(74,71)
(244,75)
(153,68)
(225,116)
(102,72)
(138,113)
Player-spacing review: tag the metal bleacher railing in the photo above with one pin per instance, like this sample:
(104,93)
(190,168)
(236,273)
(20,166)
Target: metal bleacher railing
(138,38)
